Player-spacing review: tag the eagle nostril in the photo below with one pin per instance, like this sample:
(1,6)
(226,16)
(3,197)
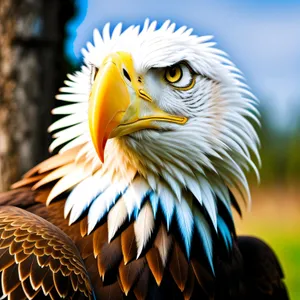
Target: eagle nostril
(126,74)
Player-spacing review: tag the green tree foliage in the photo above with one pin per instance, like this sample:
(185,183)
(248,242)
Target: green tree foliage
(280,151)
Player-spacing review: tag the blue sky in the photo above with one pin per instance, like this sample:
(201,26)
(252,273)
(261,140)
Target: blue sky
(261,36)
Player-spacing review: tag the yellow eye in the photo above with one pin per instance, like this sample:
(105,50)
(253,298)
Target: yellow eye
(180,76)
(173,74)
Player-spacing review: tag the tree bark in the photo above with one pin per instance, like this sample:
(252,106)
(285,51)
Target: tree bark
(32,68)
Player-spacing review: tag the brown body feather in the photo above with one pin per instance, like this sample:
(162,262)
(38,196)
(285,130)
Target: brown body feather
(38,258)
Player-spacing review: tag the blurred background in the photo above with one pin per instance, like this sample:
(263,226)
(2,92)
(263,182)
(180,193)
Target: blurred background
(41,40)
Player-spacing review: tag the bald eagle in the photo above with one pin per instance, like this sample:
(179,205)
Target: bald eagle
(154,143)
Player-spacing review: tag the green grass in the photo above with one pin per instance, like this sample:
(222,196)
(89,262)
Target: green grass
(288,250)
(275,218)
(287,247)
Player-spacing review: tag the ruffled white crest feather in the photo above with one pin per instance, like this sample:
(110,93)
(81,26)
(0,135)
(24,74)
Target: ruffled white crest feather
(143,227)
(116,217)
(185,220)
(167,202)
(204,232)
(135,194)
(103,203)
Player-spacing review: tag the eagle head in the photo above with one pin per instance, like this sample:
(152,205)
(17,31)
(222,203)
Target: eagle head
(160,120)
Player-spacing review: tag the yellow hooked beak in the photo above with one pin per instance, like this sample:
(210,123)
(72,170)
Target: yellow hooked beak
(119,105)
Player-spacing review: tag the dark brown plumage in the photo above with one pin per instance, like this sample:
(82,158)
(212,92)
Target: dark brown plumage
(59,260)
(38,259)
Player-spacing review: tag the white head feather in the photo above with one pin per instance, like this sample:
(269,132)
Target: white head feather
(202,158)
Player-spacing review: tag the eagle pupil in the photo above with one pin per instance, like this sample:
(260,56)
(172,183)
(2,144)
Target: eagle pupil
(172,72)
(126,74)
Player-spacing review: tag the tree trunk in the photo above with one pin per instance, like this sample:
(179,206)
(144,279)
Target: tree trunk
(32,68)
